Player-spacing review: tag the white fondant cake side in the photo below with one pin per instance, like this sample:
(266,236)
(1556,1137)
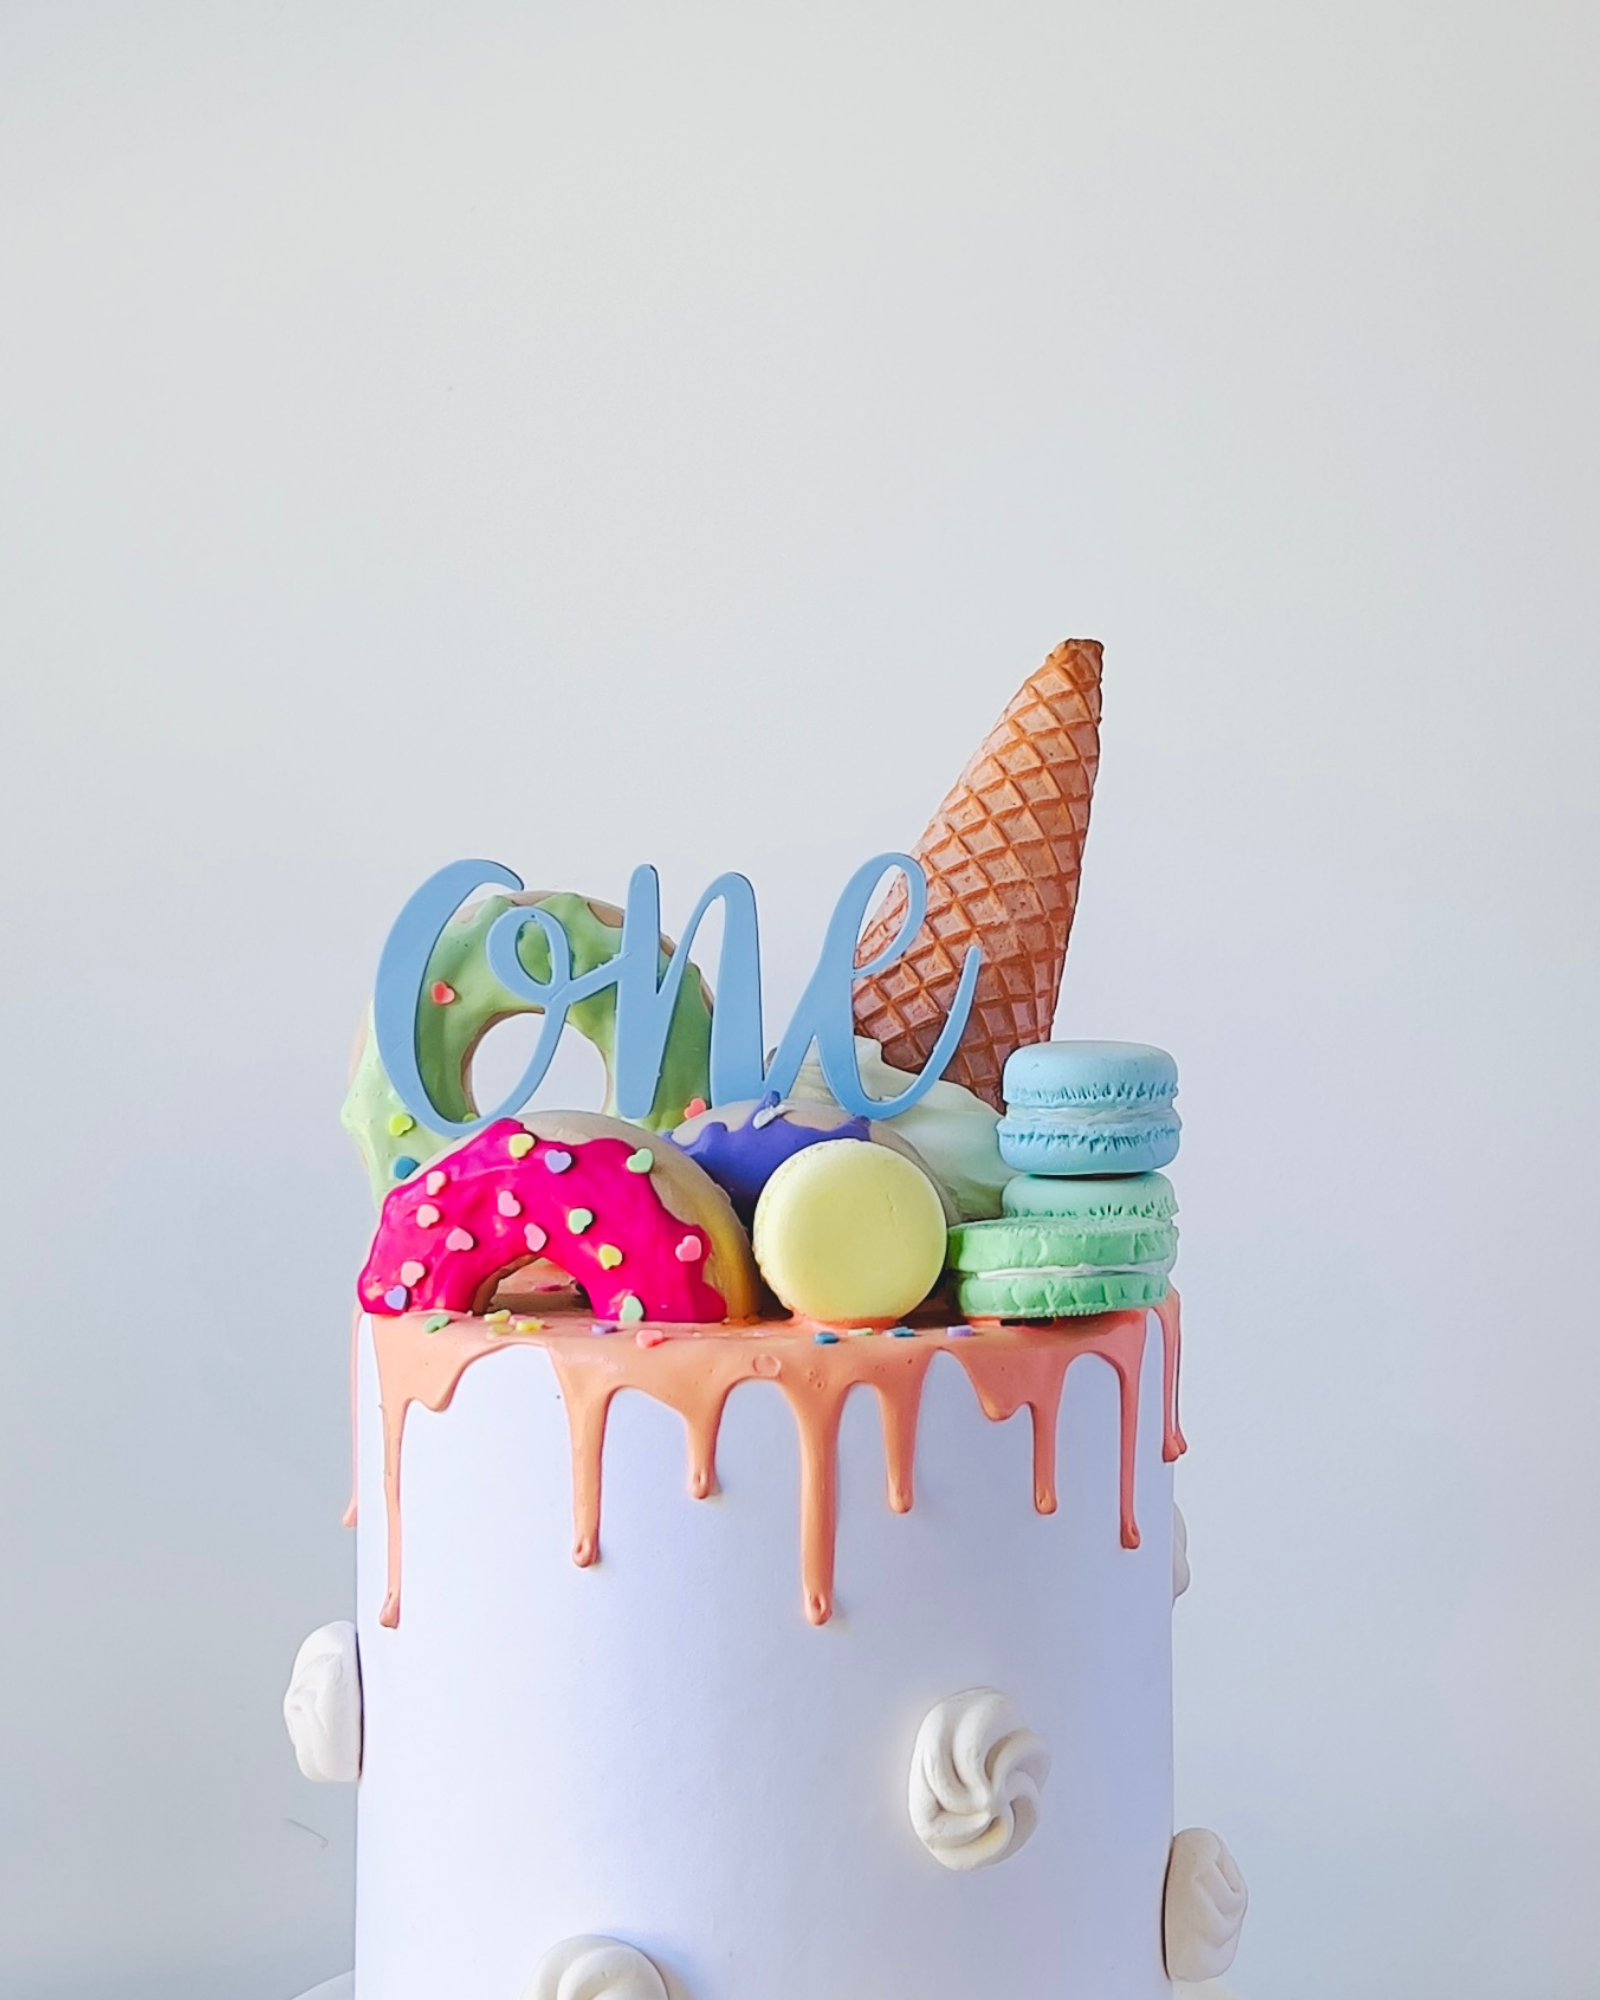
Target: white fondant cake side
(662,1750)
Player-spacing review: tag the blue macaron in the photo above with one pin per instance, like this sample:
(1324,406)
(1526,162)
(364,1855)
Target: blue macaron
(1089,1108)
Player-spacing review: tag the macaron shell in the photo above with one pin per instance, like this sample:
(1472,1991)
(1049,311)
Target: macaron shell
(1041,1243)
(1148,1197)
(850,1231)
(1052,1143)
(1084,1075)
(1037,1295)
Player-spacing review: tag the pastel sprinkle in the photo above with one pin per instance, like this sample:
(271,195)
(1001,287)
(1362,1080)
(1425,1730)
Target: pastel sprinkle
(404,1166)
(579,1219)
(397,1298)
(609,1255)
(436,1323)
(535,1238)
(499,1317)
(695,1106)
(402,1122)
(520,1145)
(771,1107)
(437,1181)
(960,1332)
(651,1336)
(604,1326)
(507,1203)
(412,1273)
(556,1159)
(902,1333)
(690,1250)
(640,1162)
(461,1239)
(427,1215)
(631,1311)
(826,1339)
(441,994)
(527,1326)
(861,1332)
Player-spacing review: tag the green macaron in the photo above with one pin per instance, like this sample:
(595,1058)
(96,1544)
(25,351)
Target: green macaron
(1065,1248)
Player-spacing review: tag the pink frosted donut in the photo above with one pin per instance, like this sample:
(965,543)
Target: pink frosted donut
(609,1203)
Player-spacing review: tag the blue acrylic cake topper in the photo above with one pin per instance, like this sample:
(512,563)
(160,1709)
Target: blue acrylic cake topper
(645,1002)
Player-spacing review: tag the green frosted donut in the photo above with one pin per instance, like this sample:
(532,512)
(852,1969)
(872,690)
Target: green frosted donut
(393,1144)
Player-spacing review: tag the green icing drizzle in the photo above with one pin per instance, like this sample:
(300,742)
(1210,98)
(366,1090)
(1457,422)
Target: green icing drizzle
(448,1035)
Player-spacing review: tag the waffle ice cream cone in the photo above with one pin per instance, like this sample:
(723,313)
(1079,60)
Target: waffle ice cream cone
(1002,856)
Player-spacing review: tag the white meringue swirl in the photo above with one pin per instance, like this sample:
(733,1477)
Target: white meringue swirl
(595,1968)
(976,1775)
(1205,1905)
(322,1708)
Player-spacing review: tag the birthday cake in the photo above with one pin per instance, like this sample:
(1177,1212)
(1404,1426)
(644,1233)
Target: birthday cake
(873,1700)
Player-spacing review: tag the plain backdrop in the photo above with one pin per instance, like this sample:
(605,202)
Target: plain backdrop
(589,433)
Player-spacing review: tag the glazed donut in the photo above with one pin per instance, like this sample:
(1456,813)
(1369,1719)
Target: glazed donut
(464,1001)
(741,1146)
(645,1232)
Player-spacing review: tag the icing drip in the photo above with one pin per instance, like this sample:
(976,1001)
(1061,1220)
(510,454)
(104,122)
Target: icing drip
(694,1370)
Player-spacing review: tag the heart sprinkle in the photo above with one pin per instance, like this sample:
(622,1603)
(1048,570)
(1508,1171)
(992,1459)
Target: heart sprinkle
(427,1215)
(397,1298)
(441,994)
(520,1145)
(690,1250)
(631,1311)
(535,1238)
(437,1181)
(507,1203)
(579,1219)
(556,1160)
(401,1123)
(436,1324)
(695,1106)
(609,1256)
(413,1273)
(460,1239)
(403,1166)
(651,1336)
(640,1162)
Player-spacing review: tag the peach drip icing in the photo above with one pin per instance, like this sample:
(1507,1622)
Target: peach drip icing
(695,1370)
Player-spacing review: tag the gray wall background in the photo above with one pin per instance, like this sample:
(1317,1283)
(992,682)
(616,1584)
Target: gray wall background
(589,433)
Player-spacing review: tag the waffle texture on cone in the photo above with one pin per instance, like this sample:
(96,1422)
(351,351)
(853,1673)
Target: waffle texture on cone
(1002,857)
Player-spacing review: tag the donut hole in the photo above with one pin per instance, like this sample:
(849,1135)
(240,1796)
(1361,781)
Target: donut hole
(576,1077)
(536,1286)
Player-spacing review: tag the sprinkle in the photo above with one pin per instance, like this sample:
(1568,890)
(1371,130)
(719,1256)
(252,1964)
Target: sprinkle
(694,1107)
(690,1250)
(441,994)
(412,1273)
(507,1203)
(902,1333)
(826,1339)
(520,1145)
(604,1326)
(861,1332)
(437,1181)
(427,1215)
(498,1317)
(404,1165)
(535,1238)
(771,1107)
(436,1323)
(461,1239)
(640,1162)
(609,1255)
(579,1219)
(527,1326)
(651,1336)
(959,1332)
(402,1122)
(631,1311)
(397,1298)
(557,1160)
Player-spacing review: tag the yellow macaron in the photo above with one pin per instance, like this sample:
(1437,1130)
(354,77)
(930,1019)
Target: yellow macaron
(850,1231)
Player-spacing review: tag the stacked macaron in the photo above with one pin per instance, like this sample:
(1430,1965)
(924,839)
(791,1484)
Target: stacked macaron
(1087,1224)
